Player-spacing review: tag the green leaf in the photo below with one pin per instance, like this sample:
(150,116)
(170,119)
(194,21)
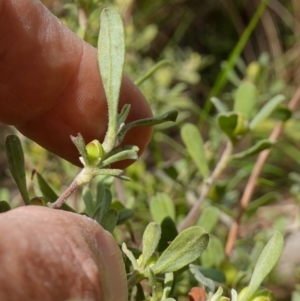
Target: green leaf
(153,283)
(245,99)
(168,116)
(212,273)
(265,263)
(209,218)
(15,158)
(217,295)
(161,206)
(206,282)
(109,220)
(255,149)
(4,206)
(49,194)
(232,124)
(282,113)
(111,57)
(183,250)
(195,147)
(218,105)
(168,283)
(80,145)
(151,239)
(122,155)
(124,215)
(103,202)
(88,201)
(150,72)
(266,111)
(168,233)
(214,254)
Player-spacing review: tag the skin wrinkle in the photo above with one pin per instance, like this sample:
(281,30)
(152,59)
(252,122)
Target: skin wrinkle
(64,259)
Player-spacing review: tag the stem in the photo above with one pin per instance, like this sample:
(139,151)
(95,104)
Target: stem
(84,177)
(250,186)
(193,215)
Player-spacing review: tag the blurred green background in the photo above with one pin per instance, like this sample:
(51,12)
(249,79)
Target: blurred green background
(197,39)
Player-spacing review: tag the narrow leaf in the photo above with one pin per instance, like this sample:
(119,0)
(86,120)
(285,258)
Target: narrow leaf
(4,206)
(245,99)
(151,239)
(218,105)
(104,199)
(161,206)
(255,149)
(265,263)
(15,158)
(124,215)
(195,147)
(120,156)
(49,194)
(266,111)
(168,283)
(158,65)
(184,249)
(80,145)
(111,57)
(206,282)
(109,220)
(209,218)
(168,116)
(88,201)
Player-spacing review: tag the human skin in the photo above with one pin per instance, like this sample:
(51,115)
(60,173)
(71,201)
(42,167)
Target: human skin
(50,88)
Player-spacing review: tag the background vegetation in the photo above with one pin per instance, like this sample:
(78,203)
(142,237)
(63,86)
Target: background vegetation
(210,52)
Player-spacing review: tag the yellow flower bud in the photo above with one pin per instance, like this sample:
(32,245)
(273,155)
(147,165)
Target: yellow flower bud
(95,152)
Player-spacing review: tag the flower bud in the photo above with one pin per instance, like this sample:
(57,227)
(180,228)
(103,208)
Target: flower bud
(95,152)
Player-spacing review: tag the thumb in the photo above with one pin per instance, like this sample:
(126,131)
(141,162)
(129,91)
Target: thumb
(50,85)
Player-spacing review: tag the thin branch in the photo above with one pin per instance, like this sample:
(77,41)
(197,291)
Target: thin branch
(249,190)
(193,215)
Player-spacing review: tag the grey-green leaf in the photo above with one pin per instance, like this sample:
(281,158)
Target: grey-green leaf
(209,218)
(255,149)
(80,145)
(111,57)
(221,108)
(161,206)
(266,111)
(195,147)
(206,282)
(151,239)
(168,116)
(183,250)
(88,201)
(245,97)
(109,220)
(265,263)
(49,194)
(122,155)
(15,158)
